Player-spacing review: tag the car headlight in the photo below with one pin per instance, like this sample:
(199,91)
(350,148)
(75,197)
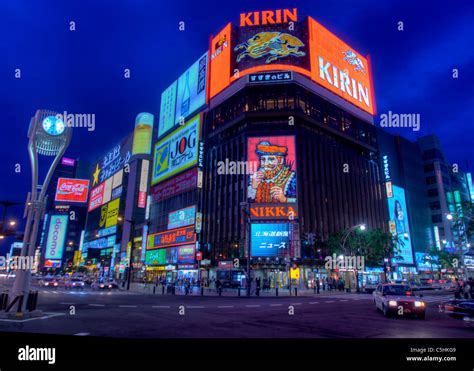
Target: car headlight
(110,286)
(419,304)
(46,283)
(55,284)
(102,285)
(392,303)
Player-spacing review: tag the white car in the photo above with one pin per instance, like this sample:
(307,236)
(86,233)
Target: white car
(398,299)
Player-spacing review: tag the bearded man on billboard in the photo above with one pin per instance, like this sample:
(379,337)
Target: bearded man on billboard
(274,181)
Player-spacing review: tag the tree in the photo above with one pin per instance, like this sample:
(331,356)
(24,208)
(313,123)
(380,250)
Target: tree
(444,259)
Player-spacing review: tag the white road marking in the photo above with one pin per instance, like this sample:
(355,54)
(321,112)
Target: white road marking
(295,303)
(48,315)
(82,334)
(67,303)
(97,305)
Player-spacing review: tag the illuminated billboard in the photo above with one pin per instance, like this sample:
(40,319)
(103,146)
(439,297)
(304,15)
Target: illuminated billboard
(191,93)
(274,181)
(178,184)
(266,42)
(72,190)
(97,197)
(269,45)
(174,237)
(182,217)
(176,152)
(220,55)
(186,254)
(143,134)
(339,68)
(399,225)
(113,161)
(109,214)
(185,96)
(270,239)
(167,108)
(155,257)
(56,237)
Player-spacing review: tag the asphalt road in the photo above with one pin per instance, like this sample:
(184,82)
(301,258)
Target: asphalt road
(136,315)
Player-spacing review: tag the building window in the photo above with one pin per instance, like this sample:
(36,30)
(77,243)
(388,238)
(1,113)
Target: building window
(433,193)
(435,205)
(428,168)
(436,218)
(430,180)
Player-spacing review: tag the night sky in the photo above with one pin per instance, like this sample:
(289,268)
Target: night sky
(83,71)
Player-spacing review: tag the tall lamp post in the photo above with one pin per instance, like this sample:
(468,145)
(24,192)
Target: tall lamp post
(461,241)
(361,227)
(246,215)
(48,136)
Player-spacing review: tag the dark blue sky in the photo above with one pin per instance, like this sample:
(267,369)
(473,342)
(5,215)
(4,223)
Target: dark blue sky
(82,71)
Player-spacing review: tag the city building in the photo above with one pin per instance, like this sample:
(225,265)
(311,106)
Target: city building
(65,215)
(116,227)
(288,149)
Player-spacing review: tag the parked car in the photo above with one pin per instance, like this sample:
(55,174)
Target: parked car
(395,298)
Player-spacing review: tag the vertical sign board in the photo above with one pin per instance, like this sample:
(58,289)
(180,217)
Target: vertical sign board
(167,108)
(143,134)
(191,93)
(399,224)
(56,237)
(220,54)
(142,189)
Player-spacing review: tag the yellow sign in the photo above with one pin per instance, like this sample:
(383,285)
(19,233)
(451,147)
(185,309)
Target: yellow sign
(109,214)
(77,257)
(295,273)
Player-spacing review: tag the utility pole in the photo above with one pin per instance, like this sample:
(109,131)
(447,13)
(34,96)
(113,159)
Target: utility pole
(130,260)
(246,215)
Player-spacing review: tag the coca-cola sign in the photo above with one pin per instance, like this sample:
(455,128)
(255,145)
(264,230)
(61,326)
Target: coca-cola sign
(72,190)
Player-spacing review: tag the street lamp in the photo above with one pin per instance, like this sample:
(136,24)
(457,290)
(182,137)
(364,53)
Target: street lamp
(361,227)
(449,217)
(48,136)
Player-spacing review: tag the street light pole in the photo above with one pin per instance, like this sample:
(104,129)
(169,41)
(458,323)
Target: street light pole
(362,227)
(48,136)
(246,215)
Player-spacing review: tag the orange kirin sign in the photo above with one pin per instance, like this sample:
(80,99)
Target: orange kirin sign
(339,68)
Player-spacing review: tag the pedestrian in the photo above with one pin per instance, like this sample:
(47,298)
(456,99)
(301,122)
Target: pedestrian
(347,286)
(457,289)
(467,290)
(317,285)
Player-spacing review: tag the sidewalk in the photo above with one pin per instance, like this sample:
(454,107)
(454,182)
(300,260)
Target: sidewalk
(228,292)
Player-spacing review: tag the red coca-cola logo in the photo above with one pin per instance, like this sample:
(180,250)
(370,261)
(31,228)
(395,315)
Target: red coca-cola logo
(72,188)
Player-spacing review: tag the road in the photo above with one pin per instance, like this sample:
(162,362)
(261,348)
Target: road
(138,315)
